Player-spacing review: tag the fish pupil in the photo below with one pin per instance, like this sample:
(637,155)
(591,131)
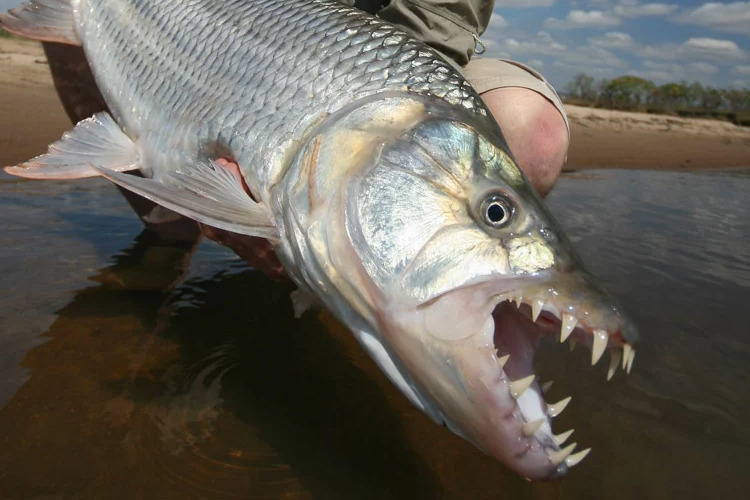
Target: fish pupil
(496,213)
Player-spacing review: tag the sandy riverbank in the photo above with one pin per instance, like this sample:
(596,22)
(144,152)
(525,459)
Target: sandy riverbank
(33,117)
(607,138)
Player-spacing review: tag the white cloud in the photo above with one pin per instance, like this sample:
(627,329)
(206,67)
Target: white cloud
(704,68)
(612,47)
(498,21)
(519,4)
(599,19)
(545,37)
(593,18)
(584,19)
(543,44)
(612,40)
(664,51)
(587,57)
(727,17)
(710,49)
(631,8)
(593,60)
(513,46)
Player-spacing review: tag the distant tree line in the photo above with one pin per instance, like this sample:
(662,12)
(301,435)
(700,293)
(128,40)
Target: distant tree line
(685,99)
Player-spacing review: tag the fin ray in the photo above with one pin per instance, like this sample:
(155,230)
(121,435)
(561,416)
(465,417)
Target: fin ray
(43,20)
(94,141)
(206,192)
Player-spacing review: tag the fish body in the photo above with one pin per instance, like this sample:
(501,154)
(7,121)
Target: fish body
(247,80)
(374,169)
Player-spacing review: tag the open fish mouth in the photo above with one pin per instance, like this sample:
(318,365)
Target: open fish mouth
(520,325)
(500,401)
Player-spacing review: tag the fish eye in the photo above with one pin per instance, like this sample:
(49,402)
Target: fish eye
(497,210)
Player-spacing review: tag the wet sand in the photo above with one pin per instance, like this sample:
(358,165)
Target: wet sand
(33,117)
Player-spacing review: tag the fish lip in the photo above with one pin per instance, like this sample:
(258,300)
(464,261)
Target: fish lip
(539,455)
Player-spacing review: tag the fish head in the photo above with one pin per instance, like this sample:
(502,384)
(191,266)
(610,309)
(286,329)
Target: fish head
(450,270)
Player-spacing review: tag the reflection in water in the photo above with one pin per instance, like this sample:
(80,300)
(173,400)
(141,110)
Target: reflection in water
(177,372)
(213,390)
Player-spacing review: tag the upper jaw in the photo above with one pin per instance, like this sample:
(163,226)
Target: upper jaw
(496,401)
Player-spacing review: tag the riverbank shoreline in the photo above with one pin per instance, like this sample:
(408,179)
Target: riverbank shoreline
(600,138)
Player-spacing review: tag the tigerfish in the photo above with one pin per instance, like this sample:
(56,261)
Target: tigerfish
(376,172)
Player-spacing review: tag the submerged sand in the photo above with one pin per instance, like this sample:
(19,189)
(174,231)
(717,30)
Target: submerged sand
(33,117)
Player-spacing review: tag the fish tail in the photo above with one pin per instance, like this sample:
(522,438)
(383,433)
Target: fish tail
(43,20)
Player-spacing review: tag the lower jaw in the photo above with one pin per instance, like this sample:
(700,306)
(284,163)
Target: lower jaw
(542,455)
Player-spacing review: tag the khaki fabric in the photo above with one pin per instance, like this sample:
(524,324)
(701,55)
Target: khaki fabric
(489,74)
(453,27)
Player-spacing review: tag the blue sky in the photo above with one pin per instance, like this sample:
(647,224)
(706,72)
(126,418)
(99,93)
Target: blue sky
(670,41)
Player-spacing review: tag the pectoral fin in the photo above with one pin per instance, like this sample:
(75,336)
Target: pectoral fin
(206,192)
(94,141)
(44,20)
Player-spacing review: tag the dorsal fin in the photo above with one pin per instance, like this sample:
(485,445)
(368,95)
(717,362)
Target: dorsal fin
(43,20)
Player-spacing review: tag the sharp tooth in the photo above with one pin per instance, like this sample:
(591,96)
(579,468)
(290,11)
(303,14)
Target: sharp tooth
(502,360)
(546,386)
(630,361)
(573,343)
(557,457)
(574,460)
(518,299)
(568,325)
(614,360)
(557,408)
(530,428)
(562,437)
(625,355)
(600,343)
(519,386)
(536,309)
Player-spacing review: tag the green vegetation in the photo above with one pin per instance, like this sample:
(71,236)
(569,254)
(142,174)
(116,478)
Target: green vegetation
(632,93)
(5,34)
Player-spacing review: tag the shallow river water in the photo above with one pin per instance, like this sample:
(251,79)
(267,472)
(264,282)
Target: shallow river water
(133,368)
